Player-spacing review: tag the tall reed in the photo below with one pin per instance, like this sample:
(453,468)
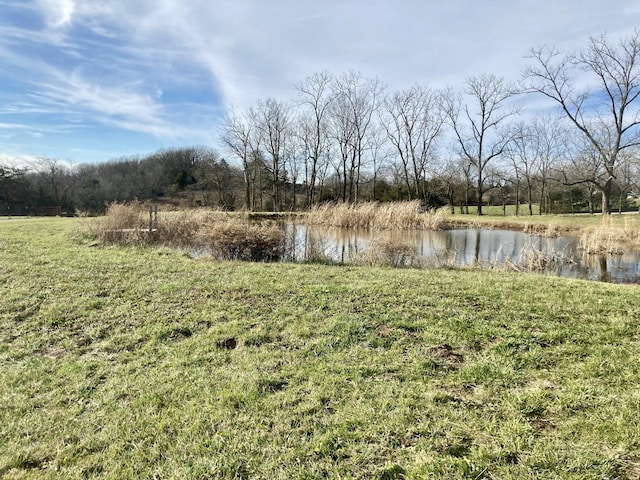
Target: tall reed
(228,237)
(532,259)
(610,239)
(389,252)
(377,216)
(122,224)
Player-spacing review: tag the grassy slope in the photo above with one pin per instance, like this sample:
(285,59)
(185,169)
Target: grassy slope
(144,363)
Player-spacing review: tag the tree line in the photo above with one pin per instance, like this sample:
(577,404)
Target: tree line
(195,174)
(347,138)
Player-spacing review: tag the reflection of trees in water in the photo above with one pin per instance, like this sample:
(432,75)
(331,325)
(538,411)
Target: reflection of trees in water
(604,275)
(609,268)
(459,247)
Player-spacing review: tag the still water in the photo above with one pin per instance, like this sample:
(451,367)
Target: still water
(488,248)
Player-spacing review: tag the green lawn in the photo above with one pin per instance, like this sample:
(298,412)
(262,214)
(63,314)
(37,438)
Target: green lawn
(144,363)
(524,210)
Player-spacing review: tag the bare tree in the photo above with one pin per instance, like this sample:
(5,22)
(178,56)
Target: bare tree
(452,178)
(315,94)
(466,168)
(477,123)
(536,145)
(58,179)
(583,166)
(629,177)
(239,134)
(296,155)
(606,111)
(413,121)
(216,179)
(272,118)
(14,189)
(501,185)
(379,155)
(343,133)
(355,100)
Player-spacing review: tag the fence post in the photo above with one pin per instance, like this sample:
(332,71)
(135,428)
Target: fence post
(153,217)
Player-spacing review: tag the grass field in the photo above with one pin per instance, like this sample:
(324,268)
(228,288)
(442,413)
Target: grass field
(127,363)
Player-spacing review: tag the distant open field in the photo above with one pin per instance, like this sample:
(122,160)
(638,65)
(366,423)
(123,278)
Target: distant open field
(127,363)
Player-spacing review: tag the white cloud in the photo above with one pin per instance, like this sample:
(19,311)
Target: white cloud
(122,58)
(17,161)
(58,13)
(256,49)
(119,106)
(13,126)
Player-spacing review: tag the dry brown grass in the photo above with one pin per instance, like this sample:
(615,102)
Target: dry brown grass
(124,224)
(551,229)
(609,239)
(227,236)
(389,252)
(547,229)
(624,230)
(532,259)
(377,216)
(235,239)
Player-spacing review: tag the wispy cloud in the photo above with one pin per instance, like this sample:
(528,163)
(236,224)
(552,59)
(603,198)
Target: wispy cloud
(78,63)
(57,12)
(254,49)
(120,104)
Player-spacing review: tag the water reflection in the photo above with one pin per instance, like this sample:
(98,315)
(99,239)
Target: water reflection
(464,247)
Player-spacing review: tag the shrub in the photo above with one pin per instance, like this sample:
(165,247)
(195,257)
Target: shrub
(389,252)
(238,240)
(123,224)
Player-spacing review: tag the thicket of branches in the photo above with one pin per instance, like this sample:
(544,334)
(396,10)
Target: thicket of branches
(347,138)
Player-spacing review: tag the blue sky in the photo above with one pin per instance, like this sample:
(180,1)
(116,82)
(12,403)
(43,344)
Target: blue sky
(93,80)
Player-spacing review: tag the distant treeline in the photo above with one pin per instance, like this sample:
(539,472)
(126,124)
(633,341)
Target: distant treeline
(199,176)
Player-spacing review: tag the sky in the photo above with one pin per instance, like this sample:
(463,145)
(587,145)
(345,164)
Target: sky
(94,80)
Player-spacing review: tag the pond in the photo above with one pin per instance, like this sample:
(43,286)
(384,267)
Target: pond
(465,247)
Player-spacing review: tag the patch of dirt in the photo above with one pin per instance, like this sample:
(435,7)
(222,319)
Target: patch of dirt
(541,425)
(445,353)
(55,352)
(272,386)
(475,303)
(24,464)
(180,334)
(263,339)
(83,342)
(26,312)
(630,466)
(633,472)
(384,331)
(203,325)
(227,343)
(135,345)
